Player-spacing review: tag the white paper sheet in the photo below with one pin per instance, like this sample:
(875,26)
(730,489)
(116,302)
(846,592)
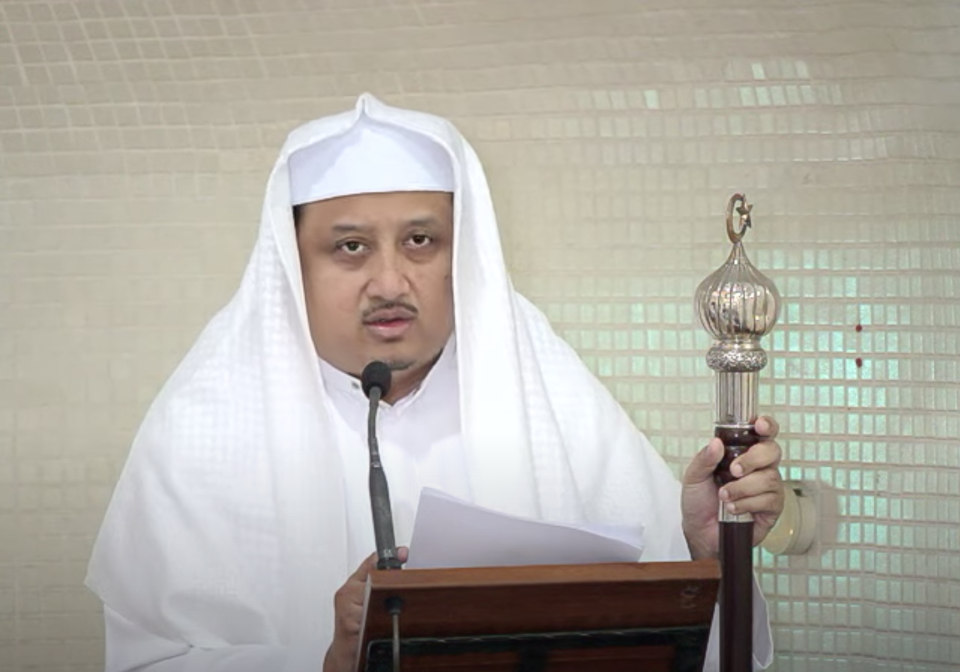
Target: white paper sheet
(452,533)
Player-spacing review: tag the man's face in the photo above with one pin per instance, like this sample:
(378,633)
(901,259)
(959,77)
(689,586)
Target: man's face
(377,274)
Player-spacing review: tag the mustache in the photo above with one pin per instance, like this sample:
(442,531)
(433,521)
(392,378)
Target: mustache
(389,305)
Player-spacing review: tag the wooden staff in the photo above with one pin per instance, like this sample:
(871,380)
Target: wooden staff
(738,305)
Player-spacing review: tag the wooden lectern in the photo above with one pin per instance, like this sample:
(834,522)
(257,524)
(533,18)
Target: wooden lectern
(546,618)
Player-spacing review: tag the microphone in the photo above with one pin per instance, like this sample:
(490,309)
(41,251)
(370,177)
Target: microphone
(375,381)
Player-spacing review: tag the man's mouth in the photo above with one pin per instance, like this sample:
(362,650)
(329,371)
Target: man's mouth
(389,324)
(390,316)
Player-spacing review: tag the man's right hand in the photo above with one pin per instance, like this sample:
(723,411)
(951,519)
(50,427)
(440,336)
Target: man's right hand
(348,608)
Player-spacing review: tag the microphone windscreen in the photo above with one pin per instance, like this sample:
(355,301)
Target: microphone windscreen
(376,374)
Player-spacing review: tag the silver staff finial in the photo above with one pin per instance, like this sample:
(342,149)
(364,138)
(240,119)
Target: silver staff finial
(737,304)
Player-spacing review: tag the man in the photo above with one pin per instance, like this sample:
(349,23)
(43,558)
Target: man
(239,535)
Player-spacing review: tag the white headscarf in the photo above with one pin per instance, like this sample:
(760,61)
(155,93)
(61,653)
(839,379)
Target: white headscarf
(227,525)
(371,157)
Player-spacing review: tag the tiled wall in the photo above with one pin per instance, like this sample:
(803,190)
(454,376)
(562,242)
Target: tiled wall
(135,140)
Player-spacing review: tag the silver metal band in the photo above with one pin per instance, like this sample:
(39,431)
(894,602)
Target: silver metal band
(726,517)
(740,356)
(737,398)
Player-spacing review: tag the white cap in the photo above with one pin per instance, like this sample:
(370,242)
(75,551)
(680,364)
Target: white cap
(372,157)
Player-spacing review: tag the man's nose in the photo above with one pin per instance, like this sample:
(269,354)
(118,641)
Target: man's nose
(389,280)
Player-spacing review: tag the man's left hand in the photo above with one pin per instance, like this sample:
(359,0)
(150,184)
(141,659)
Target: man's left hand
(758,489)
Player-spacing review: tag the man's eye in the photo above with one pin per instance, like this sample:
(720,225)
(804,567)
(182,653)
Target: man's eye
(351,247)
(420,240)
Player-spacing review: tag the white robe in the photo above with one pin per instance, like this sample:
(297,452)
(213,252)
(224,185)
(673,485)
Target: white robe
(231,528)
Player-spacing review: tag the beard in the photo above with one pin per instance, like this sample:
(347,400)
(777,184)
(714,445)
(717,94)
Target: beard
(400,364)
